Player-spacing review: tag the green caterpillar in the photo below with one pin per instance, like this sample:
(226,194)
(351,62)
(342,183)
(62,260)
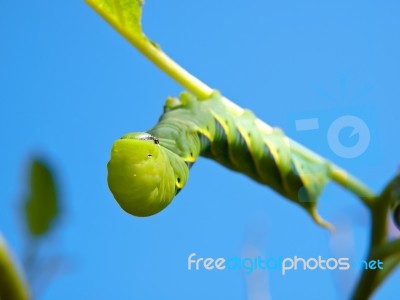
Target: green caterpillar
(148,169)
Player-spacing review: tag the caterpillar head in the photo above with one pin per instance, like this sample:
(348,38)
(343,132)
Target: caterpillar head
(141,176)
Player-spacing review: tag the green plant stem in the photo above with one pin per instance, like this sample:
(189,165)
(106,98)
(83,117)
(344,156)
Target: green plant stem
(12,286)
(379,247)
(390,264)
(365,286)
(389,249)
(201,90)
(389,254)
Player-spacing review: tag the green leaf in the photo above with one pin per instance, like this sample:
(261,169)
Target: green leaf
(124,15)
(41,205)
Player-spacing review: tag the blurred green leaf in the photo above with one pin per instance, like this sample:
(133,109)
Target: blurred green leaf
(12,283)
(41,205)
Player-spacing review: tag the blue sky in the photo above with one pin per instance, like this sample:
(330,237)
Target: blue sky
(70,86)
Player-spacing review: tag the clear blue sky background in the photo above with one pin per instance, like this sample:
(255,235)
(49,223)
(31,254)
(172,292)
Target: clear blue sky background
(70,86)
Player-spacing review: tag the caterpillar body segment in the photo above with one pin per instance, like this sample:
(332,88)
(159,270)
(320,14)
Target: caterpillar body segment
(190,128)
